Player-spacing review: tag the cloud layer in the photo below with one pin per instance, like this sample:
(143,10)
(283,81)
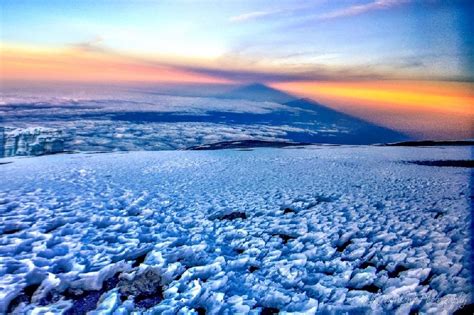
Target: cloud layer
(362,8)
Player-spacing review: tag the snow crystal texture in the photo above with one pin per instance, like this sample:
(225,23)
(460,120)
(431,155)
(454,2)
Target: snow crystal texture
(314,230)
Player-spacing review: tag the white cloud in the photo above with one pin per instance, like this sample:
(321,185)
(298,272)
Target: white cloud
(251,15)
(362,8)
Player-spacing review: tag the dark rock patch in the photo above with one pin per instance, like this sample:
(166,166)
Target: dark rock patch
(50,298)
(428,279)
(234,215)
(83,303)
(21,298)
(123,298)
(139,260)
(11,231)
(366,264)
(253,269)
(180,275)
(148,301)
(239,250)
(467,309)
(24,297)
(144,287)
(379,205)
(269,311)
(430,143)
(132,255)
(372,288)
(288,210)
(446,163)
(86,301)
(343,246)
(50,227)
(398,269)
(438,215)
(201,310)
(245,144)
(284,237)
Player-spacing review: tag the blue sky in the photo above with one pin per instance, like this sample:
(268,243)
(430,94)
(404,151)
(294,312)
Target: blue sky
(395,37)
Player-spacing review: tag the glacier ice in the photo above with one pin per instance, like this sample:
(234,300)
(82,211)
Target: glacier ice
(30,141)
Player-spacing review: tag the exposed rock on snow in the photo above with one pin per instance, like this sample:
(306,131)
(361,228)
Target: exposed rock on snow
(243,144)
(144,285)
(30,141)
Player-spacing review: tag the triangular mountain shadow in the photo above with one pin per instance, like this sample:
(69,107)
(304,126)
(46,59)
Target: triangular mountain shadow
(258,92)
(300,120)
(352,130)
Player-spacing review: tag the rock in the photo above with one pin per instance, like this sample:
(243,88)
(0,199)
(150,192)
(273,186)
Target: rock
(144,286)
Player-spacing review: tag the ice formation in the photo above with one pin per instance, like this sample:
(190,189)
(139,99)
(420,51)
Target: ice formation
(315,230)
(30,141)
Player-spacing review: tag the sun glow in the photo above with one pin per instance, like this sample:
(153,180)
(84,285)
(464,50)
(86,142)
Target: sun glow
(21,62)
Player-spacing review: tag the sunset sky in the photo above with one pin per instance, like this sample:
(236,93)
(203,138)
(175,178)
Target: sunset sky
(404,64)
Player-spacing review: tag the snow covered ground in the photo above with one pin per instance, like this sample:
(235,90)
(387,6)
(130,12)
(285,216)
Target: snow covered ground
(321,229)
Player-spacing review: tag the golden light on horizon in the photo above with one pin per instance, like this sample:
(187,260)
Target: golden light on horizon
(418,108)
(71,64)
(451,97)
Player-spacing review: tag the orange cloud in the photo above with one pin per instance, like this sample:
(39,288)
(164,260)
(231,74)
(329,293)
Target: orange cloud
(74,64)
(451,97)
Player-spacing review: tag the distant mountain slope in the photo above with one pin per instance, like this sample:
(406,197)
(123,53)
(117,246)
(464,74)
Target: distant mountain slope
(245,144)
(432,143)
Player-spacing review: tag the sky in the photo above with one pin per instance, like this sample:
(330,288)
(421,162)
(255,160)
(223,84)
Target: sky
(400,63)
